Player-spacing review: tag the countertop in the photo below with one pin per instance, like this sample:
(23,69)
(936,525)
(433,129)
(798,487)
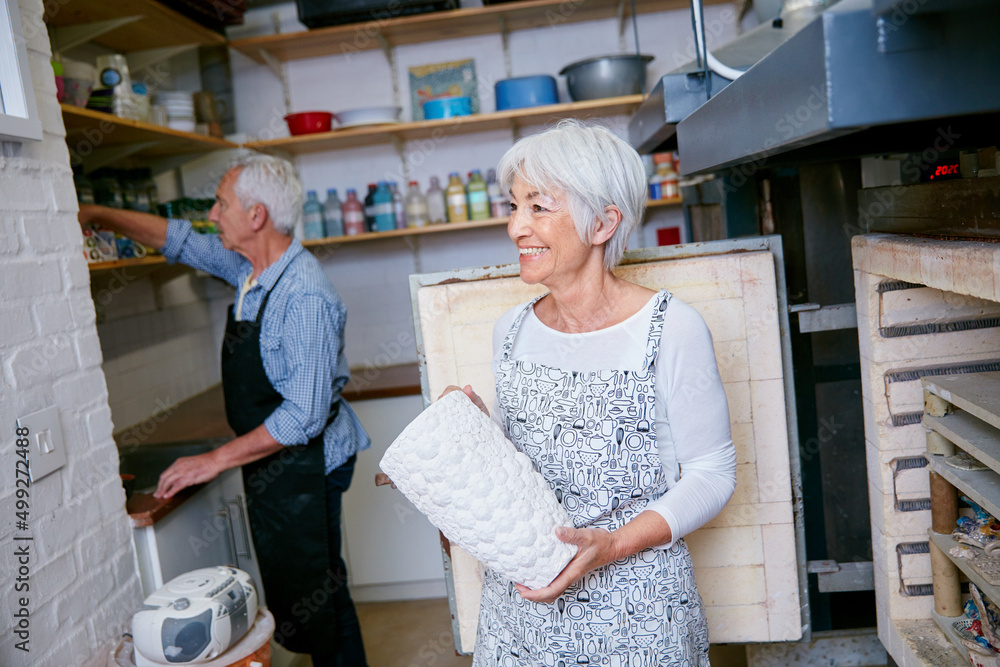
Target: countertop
(203,417)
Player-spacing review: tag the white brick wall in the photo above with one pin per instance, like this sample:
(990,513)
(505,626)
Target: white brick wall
(83,585)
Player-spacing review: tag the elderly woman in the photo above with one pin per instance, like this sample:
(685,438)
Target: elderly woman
(620,386)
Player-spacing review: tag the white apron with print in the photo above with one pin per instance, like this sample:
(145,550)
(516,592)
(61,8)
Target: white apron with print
(593,437)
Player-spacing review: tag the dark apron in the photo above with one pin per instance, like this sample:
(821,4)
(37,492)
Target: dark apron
(286,499)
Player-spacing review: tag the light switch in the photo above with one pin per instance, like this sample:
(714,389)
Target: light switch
(46,449)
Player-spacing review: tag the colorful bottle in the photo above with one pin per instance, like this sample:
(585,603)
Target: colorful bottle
(479,202)
(312,217)
(437,209)
(398,205)
(333,214)
(383,209)
(416,206)
(354,214)
(369,207)
(458,207)
(670,185)
(499,206)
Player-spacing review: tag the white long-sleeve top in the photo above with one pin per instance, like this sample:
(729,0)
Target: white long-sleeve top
(692,415)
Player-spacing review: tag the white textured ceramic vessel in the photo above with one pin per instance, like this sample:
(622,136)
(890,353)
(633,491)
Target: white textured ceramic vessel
(458,468)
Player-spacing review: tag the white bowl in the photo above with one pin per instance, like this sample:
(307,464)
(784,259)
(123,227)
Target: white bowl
(181,125)
(367,116)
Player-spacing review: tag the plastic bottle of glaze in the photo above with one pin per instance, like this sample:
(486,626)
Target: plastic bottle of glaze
(398,205)
(333,213)
(436,208)
(369,207)
(479,203)
(354,215)
(383,208)
(499,206)
(458,208)
(312,217)
(416,206)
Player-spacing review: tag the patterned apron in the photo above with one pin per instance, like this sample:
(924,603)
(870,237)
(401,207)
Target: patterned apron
(593,437)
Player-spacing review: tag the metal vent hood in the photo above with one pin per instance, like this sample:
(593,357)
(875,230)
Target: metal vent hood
(680,92)
(865,77)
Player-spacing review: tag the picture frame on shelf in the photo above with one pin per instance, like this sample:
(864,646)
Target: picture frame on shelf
(451,79)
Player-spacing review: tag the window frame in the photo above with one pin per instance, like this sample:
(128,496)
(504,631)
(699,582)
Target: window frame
(18,113)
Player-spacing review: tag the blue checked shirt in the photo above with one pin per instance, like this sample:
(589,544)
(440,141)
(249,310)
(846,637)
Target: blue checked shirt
(301,339)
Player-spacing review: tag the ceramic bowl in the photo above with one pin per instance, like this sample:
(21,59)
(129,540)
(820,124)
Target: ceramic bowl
(309,122)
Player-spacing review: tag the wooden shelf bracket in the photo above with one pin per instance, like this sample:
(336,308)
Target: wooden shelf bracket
(279,70)
(64,38)
(505,41)
(390,55)
(140,60)
(102,157)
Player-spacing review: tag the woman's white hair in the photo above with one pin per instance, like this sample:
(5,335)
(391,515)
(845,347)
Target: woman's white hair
(593,168)
(271,181)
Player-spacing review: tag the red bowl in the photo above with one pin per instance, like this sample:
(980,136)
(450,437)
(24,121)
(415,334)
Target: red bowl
(309,122)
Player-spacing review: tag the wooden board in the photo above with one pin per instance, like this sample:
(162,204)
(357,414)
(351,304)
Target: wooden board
(88,130)
(746,559)
(439,130)
(435,26)
(159,26)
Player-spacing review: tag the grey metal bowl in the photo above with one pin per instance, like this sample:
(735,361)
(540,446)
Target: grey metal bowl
(606,76)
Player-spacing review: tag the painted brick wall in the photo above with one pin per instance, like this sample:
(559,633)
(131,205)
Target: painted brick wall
(83,581)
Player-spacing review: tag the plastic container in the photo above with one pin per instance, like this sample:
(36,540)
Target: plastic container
(78,82)
(479,203)
(526,91)
(458,204)
(333,213)
(447,107)
(354,214)
(312,217)
(309,122)
(416,206)
(437,209)
(383,208)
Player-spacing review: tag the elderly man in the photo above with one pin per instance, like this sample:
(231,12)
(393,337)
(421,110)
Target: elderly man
(283,367)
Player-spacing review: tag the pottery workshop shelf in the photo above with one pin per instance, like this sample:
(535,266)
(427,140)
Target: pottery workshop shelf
(454,24)
(439,130)
(961,417)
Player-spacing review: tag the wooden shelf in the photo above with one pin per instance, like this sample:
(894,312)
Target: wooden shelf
(453,24)
(88,131)
(438,130)
(158,27)
(656,203)
(154,260)
(149,260)
(409,231)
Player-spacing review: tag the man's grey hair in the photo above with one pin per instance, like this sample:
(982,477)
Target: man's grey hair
(271,181)
(593,168)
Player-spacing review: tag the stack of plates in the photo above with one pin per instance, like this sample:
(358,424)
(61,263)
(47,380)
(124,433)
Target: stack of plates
(180,109)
